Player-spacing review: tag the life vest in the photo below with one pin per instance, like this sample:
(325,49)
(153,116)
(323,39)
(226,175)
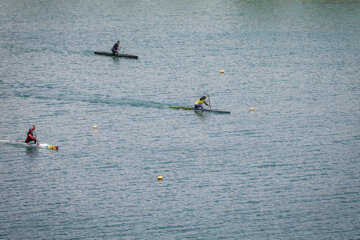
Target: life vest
(29,135)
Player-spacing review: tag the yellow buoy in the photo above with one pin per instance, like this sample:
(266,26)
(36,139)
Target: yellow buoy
(251,109)
(222,71)
(160,178)
(95,127)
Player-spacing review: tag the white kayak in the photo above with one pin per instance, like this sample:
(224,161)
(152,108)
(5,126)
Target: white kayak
(42,145)
(32,145)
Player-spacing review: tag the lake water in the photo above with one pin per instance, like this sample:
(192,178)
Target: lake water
(289,169)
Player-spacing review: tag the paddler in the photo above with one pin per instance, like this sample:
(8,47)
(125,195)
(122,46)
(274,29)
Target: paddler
(200,102)
(115,49)
(30,135)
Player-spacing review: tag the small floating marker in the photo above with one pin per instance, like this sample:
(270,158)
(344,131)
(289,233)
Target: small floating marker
(160,178)
(251,109)
(95,127)
(222,71)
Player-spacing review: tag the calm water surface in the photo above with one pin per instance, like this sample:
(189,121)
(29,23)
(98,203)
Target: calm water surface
(288,170)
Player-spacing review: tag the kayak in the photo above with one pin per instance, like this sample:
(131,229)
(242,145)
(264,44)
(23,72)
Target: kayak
(41,145)
(202,110)
(116,55)
(33,145)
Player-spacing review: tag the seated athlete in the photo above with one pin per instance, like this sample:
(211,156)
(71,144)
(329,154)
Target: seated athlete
(115,49)
(200,102)
(30,135)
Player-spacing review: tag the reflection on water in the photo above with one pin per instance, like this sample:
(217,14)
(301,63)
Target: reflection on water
(116,59)
(200,114)
(32,151)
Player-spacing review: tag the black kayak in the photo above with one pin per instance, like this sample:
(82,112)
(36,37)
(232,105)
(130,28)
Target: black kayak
(116,55)
(197,109)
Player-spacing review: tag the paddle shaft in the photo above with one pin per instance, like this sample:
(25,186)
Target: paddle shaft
(209,102)
(35,136)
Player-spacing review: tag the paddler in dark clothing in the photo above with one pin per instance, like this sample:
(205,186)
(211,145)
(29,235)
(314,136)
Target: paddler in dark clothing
(30,135)
(200,102)
(115,49)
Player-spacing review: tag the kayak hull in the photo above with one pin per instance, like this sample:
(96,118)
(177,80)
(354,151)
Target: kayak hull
(202,110)
(39,145)
(116,55)
(30,145)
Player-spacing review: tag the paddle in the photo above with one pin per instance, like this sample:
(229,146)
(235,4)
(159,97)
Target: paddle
(35,136)
(209,101)
(118,50)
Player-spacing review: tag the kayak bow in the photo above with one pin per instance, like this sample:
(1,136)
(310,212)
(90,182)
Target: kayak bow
(44,145)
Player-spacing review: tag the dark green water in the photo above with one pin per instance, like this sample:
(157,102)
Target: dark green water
(287,170)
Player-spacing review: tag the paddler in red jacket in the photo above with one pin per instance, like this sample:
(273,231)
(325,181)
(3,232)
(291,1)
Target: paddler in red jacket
(30,135)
